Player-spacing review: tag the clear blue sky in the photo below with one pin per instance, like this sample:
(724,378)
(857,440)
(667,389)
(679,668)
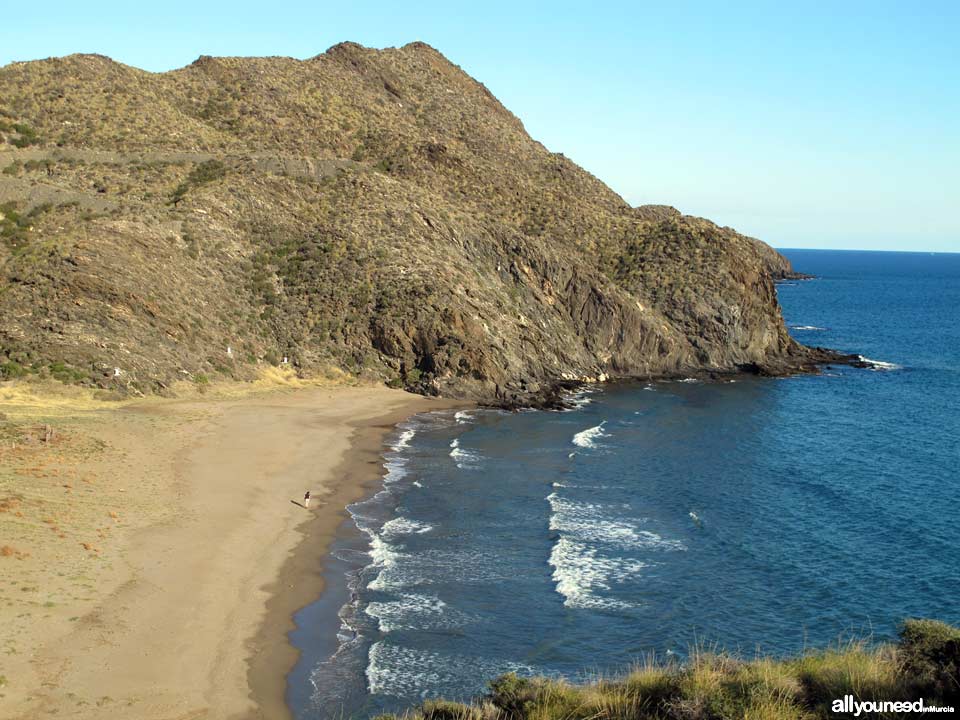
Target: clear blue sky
(817,124)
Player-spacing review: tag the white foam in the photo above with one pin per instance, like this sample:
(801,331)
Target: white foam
(586,438)
(463,458)
(579,573)
(579,399)
(585,556)
(463,417)
(806,327)
(382,553)
(690,380)
(396,470)
(591,522)
(409,611)
(879,364)
(404,526)
(649,387)
(401,671)
(416,483)
(403,441)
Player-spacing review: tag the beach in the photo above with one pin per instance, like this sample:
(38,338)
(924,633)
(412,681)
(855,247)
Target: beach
(154,552)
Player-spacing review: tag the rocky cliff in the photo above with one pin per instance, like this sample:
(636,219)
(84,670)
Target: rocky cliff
(377,211)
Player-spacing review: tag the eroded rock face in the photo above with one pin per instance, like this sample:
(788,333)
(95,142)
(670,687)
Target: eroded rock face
(375,211)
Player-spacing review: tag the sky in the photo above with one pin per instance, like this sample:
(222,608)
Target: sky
(815,124)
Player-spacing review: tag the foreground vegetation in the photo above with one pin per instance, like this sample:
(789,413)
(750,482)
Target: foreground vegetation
(711,686)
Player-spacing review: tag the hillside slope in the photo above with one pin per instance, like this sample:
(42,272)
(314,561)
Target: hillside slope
(377,211)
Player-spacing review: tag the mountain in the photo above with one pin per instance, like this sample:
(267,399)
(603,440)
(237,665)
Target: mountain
(375,211)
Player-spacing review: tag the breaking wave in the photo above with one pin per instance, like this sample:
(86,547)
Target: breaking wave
(587,438)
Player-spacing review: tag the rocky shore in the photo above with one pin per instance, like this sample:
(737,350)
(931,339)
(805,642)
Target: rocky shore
(375,213)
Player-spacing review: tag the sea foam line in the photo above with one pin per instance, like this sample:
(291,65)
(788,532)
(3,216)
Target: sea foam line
(403,671)
(879,364)
(463,458)
(579,573)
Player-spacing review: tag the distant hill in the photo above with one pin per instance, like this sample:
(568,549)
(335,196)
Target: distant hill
(377,211)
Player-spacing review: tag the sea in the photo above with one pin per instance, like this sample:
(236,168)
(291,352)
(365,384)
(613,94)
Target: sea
(754,515)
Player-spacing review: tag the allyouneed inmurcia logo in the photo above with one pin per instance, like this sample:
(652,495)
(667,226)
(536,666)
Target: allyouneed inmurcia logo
(857,707)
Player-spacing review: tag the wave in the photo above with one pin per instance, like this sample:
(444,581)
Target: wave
(403,440)
(399,671)
(587,555)
(810,328)
(579,399)
(464,459)
(404,526)
(396,470)
(879,364)
(592,522)
(579,572)
(691,380)
(586,438)
(462,417)
(409,611)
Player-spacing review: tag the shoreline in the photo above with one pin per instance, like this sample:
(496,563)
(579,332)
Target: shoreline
(179,551)
(300,581)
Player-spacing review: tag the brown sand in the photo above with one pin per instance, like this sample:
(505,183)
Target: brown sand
(151,571)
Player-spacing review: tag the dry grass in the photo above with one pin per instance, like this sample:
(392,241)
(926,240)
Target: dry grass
(712,685)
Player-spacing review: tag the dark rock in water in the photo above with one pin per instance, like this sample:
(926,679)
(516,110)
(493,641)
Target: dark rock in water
(375,211)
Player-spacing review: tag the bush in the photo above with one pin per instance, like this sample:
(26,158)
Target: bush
(206,172)
(513,695)
(10,370)
(446,710)
(66,374)
(653,686)
(27,136)
(929,658)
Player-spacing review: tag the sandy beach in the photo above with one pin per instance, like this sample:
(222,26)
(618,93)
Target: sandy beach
(151,555)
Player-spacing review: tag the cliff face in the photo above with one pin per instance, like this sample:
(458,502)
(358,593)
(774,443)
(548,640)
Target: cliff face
(376,211)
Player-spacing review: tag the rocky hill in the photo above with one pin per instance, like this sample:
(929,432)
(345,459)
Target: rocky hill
(377,211)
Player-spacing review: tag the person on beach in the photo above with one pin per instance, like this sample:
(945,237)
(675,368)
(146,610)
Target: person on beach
(306,499)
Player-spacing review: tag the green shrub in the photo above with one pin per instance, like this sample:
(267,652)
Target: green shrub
(15,227)
(66,374)
(27,136)
(929,658)
(206,172)
(10,370)
(513,695)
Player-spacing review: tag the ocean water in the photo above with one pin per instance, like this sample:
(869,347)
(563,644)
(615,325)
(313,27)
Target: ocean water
(760,514)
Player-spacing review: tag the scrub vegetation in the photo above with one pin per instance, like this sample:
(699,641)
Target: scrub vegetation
(717,686)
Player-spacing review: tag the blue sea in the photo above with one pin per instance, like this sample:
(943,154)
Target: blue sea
(760,514)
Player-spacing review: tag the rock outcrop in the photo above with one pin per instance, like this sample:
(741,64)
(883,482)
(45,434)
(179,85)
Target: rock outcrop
(377,211)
